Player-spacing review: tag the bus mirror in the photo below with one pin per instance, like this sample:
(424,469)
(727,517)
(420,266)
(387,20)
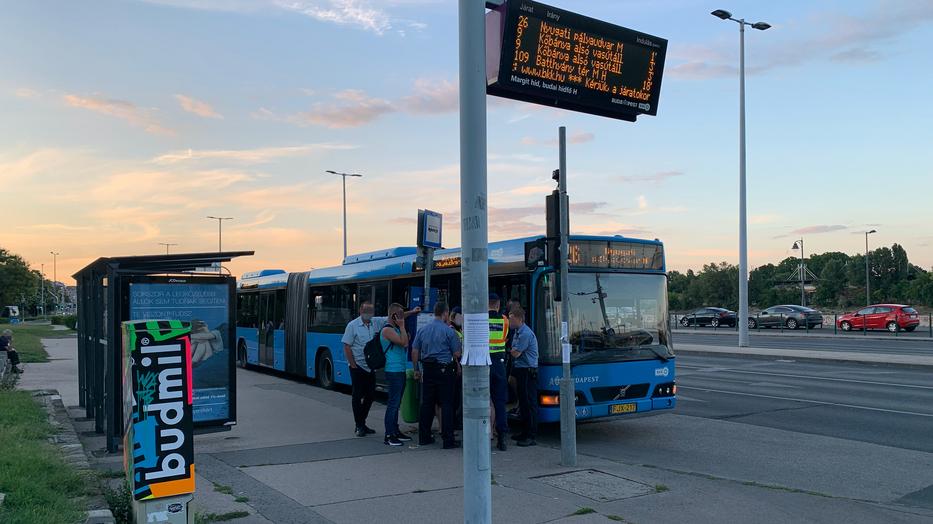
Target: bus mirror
(535,254)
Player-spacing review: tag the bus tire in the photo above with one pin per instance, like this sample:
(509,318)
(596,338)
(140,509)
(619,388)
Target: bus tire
(241,354)
(324,369)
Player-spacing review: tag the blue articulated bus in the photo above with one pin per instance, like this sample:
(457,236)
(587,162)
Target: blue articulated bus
(621,353)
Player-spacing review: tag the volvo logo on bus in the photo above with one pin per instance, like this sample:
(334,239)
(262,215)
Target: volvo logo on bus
(662,372)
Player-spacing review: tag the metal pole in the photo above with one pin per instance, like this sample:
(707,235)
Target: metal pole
(428,266)
(743,228)
(344,177)
(474,269)
(568,418)
(42,292)
(803,271)
(867,282)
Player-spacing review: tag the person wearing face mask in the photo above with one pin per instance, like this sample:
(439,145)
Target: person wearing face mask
(358,333)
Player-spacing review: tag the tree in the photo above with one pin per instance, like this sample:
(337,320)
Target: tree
(19,285)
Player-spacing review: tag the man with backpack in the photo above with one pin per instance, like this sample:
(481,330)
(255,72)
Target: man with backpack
(358,333)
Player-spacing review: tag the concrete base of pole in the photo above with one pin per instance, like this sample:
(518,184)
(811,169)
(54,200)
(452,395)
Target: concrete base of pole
(477,479)
(568,423)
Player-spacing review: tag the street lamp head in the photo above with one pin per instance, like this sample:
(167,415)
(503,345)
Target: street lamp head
(332,172)
(721,13)
(761,26)
(872,231)
(796,246)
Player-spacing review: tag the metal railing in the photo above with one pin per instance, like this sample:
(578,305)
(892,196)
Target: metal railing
(689,321)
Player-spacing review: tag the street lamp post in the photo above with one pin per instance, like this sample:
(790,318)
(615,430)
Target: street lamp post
(220,237)
(867,281)
(344,176)
(42,289)
(167,244)
(803,271)
(743,227)
(55,278)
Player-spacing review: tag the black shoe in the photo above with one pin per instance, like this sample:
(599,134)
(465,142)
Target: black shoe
(501,443)
(427,442)
(526,443)
(401,437)
(453,444)
(369,430)
(392,441)
(16,370)
(360,432)
(518,436)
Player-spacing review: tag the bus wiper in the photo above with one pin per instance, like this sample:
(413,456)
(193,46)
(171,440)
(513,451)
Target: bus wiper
(663,357)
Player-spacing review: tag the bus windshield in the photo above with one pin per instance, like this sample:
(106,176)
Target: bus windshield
(613,317)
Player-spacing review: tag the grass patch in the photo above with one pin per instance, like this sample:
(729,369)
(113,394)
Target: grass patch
(241,499)
(28,343)
(40,487)
(661,488)
(112,474)
(204,518)
(752,483)
(120,501)
(220,488)
(584,511)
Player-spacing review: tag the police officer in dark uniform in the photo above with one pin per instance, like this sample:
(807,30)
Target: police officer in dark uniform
(498,381)
(434,355)
(525,352)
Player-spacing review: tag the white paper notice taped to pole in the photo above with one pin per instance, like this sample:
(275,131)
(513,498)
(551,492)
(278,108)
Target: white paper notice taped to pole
(565,352)
(563,330)
(476,340)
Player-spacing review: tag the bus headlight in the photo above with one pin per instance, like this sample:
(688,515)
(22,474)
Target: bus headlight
(549,399)
(667,389)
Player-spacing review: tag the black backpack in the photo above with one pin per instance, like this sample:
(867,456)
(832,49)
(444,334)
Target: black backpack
(375,355)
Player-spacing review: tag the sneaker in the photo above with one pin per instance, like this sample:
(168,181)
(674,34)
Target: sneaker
(427,442)
(392,441)
(401,437)
(360,432)
(453,444)
(526,443)
(369,430)
(16,370)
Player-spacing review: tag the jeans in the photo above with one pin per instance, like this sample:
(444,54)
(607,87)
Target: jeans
(13,356)
(364,390)
(499,391)
(396,382)
(527,379)
(438,382)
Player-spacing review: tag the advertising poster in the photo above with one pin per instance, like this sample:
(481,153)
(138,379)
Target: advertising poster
(207,304)
(159,446)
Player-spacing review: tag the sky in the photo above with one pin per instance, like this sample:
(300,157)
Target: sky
(125,123)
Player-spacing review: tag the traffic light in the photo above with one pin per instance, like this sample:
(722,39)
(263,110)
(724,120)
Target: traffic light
(552,217)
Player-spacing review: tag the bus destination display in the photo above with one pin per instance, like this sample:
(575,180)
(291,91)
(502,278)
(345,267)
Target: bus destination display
(545,55)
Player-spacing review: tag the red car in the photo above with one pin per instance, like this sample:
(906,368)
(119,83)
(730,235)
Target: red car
(892,317)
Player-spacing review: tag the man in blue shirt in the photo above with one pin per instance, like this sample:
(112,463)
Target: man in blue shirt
(525,369)
(434,355)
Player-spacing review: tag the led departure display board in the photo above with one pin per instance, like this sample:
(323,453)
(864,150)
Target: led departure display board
(545,55)
(600,254)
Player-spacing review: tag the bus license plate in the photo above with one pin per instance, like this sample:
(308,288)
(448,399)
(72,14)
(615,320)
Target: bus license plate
(617,409)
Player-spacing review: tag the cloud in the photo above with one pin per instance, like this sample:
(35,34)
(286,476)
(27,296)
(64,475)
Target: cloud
(352,108)
(25,92)
(246,156)
(815,230)
(763,219)
(837,36)
(656,177)
(121,109)
(580,137)
(642,202)
(432,97)
(197,107)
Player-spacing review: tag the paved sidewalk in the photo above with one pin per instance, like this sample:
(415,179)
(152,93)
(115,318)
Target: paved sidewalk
(801,354)
(292,458)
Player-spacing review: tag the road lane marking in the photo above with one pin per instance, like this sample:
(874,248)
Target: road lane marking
(807,401)
(830,379)
(691,399)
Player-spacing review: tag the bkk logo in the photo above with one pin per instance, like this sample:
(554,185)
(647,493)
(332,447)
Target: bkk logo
(158,364)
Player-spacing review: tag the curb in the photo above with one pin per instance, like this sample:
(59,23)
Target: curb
(886,360)
(66,439)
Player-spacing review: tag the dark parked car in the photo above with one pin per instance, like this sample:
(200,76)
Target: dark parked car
(709,316)
(789,316)
(881,316)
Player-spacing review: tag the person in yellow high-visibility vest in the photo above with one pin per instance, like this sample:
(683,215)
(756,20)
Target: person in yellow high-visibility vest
(498,381)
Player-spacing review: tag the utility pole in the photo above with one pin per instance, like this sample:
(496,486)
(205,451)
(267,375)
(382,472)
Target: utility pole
(568,412)
(166,244)
(220,237)
(42,290)
(867,273)
(55,279)
(802,270)
(344,176)
(474,268)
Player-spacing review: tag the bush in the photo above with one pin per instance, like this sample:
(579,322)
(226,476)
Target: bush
(4,321)
(70,321)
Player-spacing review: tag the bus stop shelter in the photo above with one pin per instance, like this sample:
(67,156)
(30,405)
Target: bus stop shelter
(101,308)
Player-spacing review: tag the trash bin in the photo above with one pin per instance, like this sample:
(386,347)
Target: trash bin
(410,398)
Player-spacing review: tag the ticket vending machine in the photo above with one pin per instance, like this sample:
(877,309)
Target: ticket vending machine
(158,447)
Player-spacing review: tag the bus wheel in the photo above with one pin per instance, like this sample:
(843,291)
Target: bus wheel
(241,354)
(324,370)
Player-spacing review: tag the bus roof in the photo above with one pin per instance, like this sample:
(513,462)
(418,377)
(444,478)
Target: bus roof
(399,261)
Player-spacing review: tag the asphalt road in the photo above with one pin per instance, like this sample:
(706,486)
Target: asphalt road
(902,345)
(881,405)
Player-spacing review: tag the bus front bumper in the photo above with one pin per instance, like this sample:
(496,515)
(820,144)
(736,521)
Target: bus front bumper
(642,407)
